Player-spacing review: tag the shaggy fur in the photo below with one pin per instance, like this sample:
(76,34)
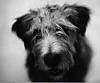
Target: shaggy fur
(54,38)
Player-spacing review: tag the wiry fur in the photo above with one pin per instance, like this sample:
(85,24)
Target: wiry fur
(55,39)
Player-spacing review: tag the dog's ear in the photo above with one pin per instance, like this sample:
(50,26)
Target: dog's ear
(23,24)
(77,15)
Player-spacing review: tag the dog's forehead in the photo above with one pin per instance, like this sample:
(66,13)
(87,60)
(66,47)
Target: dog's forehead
(47,17)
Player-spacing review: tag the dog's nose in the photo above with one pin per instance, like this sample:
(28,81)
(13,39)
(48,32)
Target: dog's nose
(52,60)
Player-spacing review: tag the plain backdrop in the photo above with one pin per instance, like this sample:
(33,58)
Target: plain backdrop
(12,52)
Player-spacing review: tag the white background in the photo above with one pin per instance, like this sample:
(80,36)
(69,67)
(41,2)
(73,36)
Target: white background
(12,52)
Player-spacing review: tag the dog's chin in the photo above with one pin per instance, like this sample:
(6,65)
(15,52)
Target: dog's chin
(56,74)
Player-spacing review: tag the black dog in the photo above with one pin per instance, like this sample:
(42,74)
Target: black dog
(54,38)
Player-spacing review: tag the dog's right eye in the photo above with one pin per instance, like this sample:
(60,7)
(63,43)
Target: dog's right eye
(35,32)
(36,35)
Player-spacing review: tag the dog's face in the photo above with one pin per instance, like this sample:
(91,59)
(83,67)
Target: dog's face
(50,34)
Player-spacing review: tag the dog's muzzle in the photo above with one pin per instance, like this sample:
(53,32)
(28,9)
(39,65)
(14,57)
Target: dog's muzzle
(52,60)
(53,55)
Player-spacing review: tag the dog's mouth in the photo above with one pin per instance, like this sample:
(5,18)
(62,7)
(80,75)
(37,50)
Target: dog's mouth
(56,72)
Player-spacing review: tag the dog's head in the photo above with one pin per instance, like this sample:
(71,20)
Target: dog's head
(49,35)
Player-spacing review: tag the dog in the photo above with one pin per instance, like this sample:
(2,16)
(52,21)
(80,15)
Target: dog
(54,37)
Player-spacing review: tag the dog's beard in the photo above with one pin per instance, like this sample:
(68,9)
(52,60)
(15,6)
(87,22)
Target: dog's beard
(58,71)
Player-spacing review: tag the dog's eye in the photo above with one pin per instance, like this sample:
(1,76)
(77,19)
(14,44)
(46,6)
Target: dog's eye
(65,29)
(60,32)
(35,32)
(36,38)
(36,35)
(58,28)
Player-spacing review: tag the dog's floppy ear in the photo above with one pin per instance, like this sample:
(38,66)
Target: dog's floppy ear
(77,15)
(23,24)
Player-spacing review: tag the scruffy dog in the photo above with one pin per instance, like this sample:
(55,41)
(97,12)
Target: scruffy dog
(54,37)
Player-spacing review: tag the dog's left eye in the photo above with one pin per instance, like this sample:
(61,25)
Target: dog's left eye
(58,28)
(59,31)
